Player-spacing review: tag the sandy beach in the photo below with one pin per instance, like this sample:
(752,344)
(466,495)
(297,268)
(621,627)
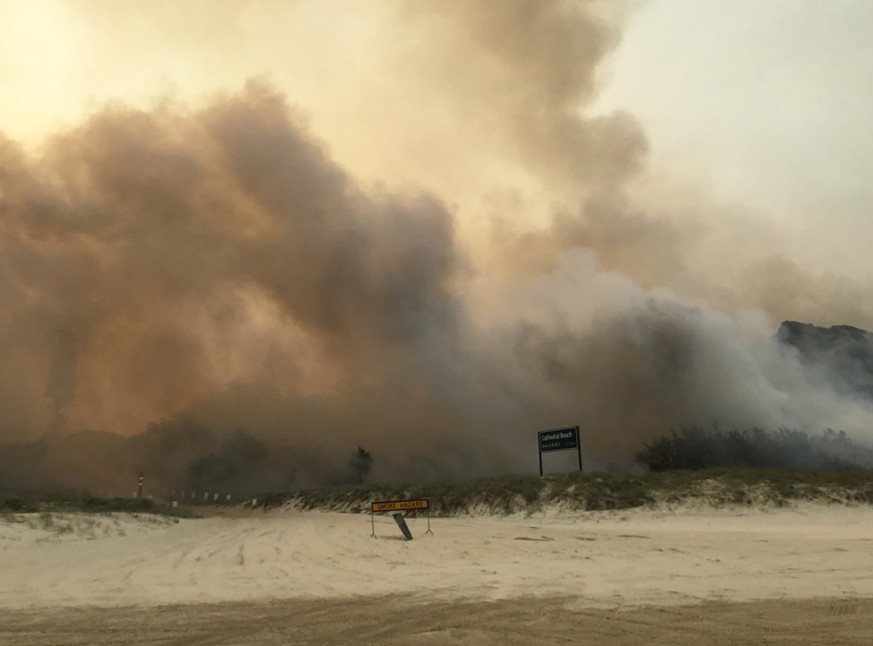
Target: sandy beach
(555,575)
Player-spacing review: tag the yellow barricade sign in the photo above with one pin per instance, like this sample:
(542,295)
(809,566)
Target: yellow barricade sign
(399,505)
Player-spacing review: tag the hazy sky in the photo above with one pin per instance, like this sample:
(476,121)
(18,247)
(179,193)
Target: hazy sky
(763,103)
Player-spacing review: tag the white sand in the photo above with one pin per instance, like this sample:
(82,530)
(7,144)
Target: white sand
(626,558)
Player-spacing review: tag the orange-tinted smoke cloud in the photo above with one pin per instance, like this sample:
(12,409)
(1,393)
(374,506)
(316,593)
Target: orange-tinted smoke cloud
(182,253)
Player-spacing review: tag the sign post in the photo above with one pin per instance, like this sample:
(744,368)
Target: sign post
(559,439)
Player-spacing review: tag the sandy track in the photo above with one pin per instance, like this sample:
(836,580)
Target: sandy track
(393,620)
(603,560)
(294,577)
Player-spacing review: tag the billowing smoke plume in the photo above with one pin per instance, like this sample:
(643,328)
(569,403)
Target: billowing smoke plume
(216,273)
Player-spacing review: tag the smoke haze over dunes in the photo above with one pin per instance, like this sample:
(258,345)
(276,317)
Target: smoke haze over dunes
(468,253)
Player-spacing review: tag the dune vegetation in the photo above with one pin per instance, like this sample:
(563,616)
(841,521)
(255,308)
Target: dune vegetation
(89,504)
(599,491)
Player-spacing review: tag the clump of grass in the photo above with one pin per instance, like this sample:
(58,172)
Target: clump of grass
(599,492)
(51,523)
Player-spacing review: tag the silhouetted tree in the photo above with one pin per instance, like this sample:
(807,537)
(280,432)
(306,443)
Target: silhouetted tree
(360,463)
